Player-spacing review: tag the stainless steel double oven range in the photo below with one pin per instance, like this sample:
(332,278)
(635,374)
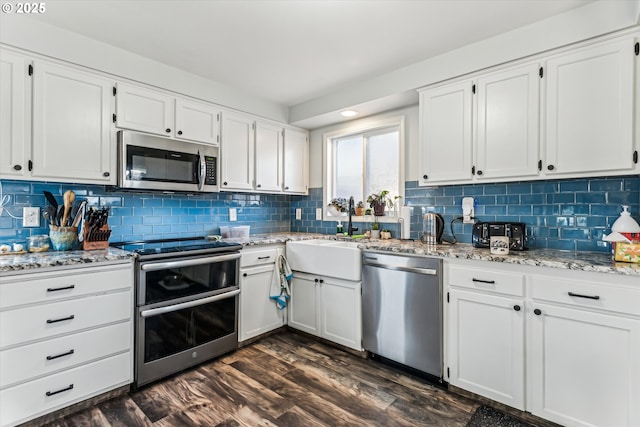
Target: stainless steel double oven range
(186,304)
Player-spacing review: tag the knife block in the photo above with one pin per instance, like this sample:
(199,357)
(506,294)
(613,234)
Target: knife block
(99,239)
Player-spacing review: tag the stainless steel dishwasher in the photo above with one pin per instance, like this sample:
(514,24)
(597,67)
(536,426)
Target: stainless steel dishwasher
(402,310)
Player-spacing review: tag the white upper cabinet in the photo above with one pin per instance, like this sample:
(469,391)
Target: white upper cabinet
(197,122)
(14,143)
(296,161)
(237,152)
(72,129)
(144,110)
(268,152)
(507,119)
(589,110)
(445,133)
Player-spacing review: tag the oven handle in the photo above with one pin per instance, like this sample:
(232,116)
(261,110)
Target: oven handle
(168,309)
(189,262)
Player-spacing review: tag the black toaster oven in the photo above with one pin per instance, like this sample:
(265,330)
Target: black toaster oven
(515,231)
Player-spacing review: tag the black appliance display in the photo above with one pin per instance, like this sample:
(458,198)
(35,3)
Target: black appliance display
(186,304)
(515,231)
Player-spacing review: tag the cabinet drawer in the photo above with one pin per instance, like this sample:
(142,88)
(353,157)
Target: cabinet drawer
(29,400)
(487,280)
(29,361)
(586,294)
(44,321)
(259,257)
(36,288)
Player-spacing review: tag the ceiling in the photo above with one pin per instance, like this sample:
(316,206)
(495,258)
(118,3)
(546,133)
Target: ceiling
(291,51)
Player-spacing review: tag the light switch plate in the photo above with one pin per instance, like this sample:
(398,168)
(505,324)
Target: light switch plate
(298,213)
(318,214)
(31,217)
(233,214)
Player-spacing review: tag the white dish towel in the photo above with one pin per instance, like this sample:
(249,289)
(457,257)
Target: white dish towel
(280,291)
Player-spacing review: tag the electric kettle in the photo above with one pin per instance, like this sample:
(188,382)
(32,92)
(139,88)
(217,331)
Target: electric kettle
(432,228)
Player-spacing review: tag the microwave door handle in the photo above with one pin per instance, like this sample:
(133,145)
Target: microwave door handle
(202,171)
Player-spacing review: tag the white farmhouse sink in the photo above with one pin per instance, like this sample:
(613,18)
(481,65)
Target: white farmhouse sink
(326,258)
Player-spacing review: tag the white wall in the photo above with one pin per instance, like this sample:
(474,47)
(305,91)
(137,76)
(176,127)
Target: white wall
(41,38)
(411,143)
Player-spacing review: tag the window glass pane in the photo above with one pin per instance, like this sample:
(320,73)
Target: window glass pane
(382,163)
(348,168)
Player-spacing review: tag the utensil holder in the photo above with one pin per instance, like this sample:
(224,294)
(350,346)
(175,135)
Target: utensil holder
(63,238)
(99,239)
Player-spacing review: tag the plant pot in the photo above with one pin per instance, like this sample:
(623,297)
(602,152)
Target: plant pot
(385,234)
(375,234)
(359,211)
(378,210)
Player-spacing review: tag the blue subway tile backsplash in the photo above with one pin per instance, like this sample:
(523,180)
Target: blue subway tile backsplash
(570,214)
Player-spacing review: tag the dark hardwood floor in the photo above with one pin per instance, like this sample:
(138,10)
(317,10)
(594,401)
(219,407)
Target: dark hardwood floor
(286,379)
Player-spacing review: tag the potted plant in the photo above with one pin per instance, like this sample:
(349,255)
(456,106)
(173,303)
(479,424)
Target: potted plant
(337,206)
(375,229)
(378,201)
(360,208)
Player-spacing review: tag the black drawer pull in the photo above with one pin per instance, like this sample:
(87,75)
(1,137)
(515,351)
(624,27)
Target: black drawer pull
(61,355)
(571,294)
(61,319)
(51,393)
(491,282)
(64,288)
(264,257)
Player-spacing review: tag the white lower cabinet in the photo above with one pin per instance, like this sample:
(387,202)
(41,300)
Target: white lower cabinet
(65,336)
(486,336)
(577,333)
(258,312)
(327,307)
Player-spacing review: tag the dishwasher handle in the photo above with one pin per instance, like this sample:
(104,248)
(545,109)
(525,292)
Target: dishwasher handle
(418,270)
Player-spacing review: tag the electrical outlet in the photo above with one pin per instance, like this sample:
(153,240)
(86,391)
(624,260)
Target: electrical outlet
(467,210)
(31,217)
(233,214)
(298,213)
(318,214)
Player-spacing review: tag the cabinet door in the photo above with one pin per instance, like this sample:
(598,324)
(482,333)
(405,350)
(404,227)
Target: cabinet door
(72,133)
(486,346)
(507,139)
(445,134)
(197,122)
(268,157)
(236,152)
(584,368)
(303,307)
(144,110)
(14,144)
(340,312)
(258,312)
(296,161)
(589,110)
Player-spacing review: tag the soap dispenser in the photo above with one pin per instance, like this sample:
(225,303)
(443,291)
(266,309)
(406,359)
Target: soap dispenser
(626,225)
(339,228)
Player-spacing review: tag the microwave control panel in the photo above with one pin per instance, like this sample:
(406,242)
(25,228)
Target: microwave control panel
(210,177)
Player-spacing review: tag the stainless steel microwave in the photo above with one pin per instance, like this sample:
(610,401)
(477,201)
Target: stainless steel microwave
(147,162)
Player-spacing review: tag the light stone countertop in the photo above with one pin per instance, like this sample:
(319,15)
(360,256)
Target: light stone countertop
(584,261)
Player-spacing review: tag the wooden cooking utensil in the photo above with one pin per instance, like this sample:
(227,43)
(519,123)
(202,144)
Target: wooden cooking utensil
(68,197)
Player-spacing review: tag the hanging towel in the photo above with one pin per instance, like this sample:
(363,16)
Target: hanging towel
(280,290)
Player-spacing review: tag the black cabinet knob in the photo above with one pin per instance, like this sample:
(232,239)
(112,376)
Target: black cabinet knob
(258,186)
(316,280)
(516,307)
(479,172)
(286,188)
(537,312)
(321,281)
(106,174)
(179,132)
(244,274)
(551,167)
(17,167)
(225,183)
(167,130)
(425,176)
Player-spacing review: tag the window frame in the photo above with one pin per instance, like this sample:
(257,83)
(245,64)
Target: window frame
(352,129)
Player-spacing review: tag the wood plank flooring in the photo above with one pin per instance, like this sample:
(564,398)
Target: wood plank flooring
(284,380)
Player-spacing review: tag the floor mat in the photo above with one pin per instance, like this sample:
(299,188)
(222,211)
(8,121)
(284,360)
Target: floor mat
(489,417)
